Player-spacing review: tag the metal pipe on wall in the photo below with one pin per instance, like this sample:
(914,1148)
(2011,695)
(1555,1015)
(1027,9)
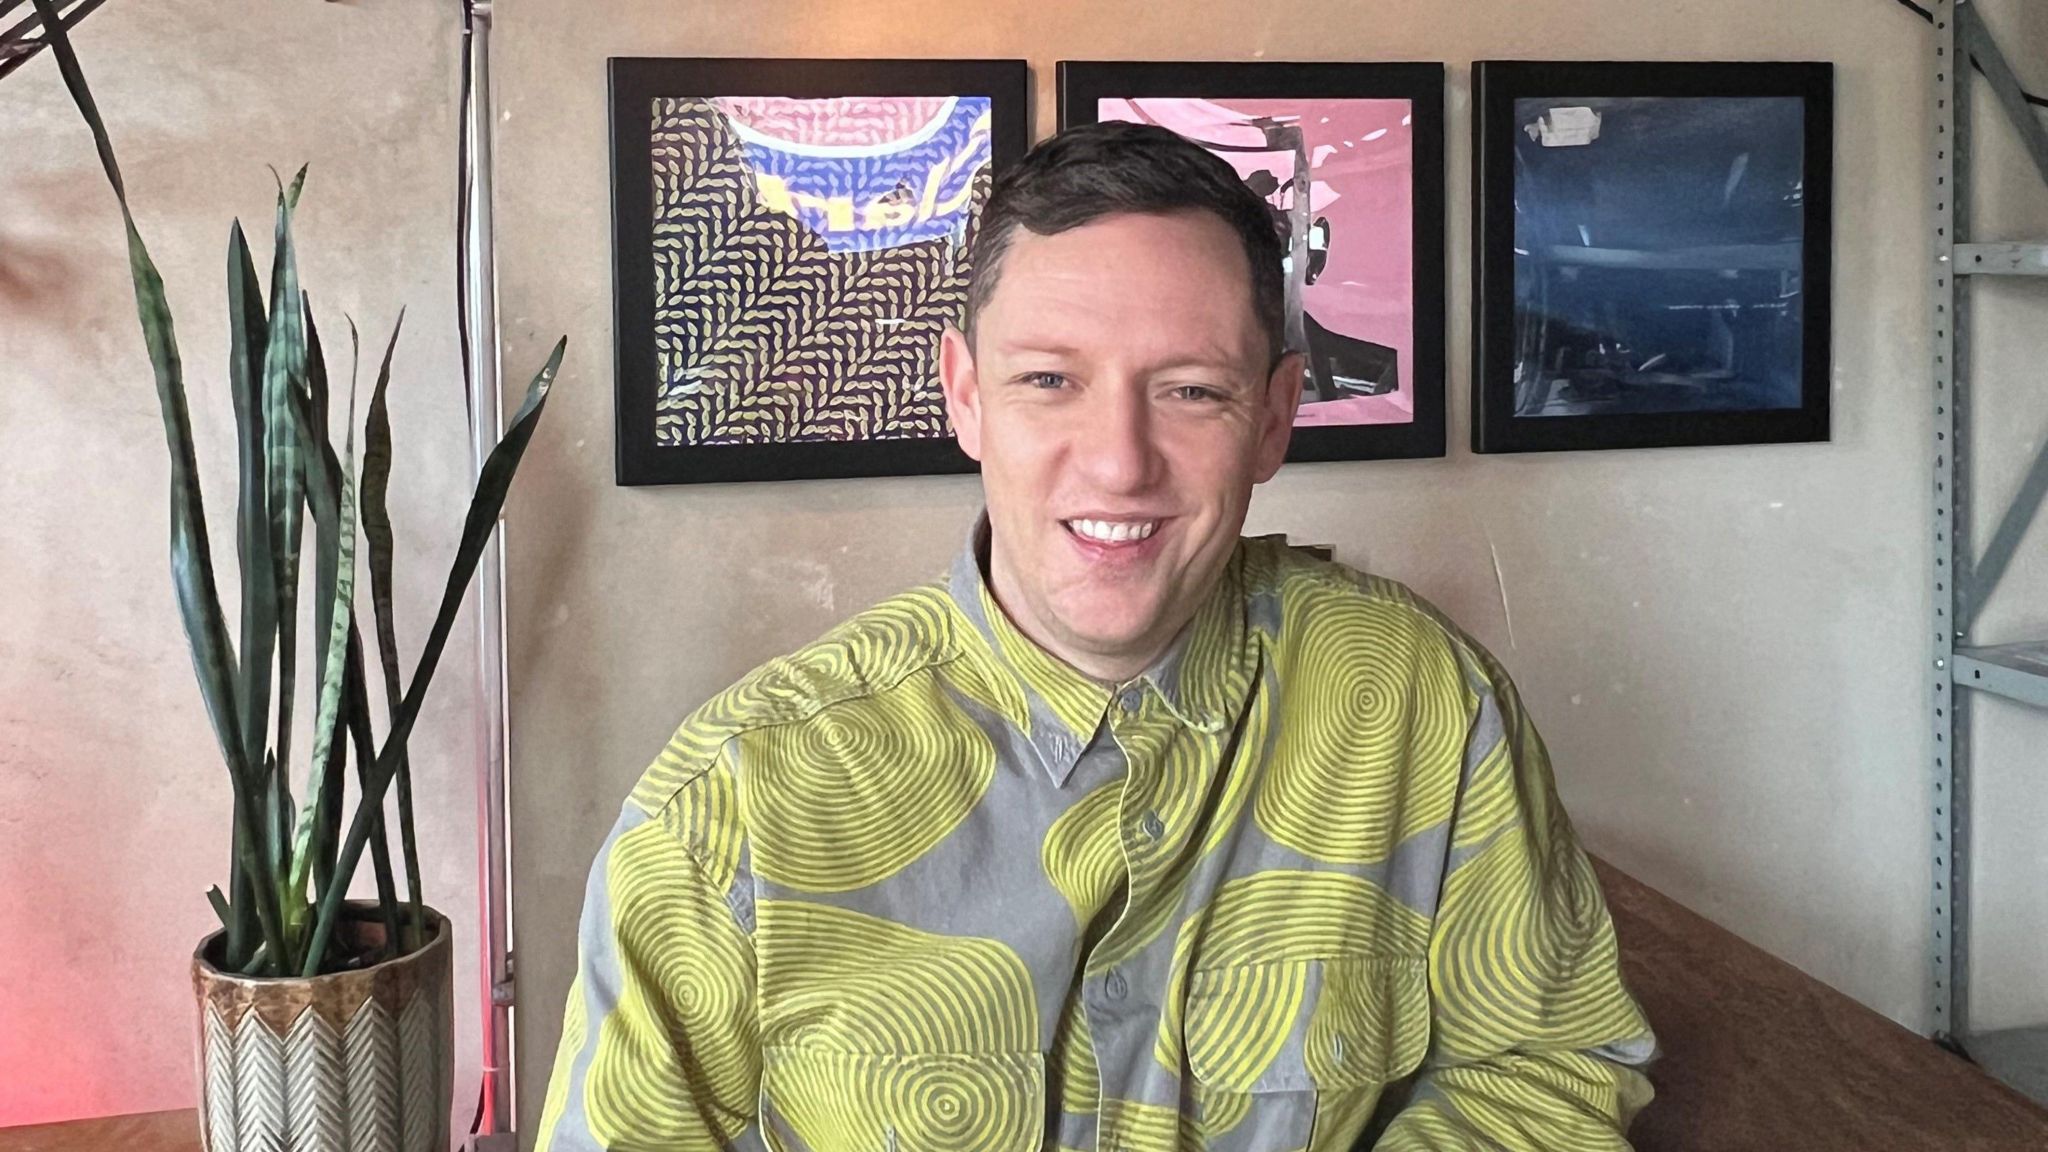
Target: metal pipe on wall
(480,351)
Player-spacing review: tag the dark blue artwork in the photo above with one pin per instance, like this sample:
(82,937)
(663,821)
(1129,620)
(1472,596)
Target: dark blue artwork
(1659,244)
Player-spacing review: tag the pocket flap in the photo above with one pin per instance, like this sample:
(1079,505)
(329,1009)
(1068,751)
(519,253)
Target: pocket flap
(1287,1025)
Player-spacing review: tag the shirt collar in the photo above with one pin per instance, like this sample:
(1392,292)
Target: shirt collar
(1202,678)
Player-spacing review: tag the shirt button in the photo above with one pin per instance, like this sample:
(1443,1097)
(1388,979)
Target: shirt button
(1132,699)
(1114,987)
(1152,827)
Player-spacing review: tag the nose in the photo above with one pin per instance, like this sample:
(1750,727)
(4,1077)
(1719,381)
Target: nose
(1115,446)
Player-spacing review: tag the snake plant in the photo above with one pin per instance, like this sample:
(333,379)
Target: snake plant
(293,854)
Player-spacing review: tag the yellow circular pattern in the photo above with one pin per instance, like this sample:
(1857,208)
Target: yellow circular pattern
(861,789)
(848,981)
(853,1102)
(1360,738)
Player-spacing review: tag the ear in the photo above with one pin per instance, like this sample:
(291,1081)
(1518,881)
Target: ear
(1283,399)
(963,391)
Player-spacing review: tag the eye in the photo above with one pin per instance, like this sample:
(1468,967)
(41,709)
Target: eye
(1045,380)
(1196,392)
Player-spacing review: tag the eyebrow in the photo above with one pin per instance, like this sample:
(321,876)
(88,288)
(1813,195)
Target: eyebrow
(1213,358)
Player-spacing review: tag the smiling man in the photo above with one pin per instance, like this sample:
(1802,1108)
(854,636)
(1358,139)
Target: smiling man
(1131,835)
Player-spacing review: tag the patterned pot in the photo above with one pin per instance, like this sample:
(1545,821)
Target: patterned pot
(353,1062)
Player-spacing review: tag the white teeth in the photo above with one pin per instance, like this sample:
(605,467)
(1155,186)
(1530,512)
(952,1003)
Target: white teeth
(1114,531)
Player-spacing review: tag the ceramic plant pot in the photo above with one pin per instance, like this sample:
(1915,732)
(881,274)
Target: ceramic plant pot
(356,1061)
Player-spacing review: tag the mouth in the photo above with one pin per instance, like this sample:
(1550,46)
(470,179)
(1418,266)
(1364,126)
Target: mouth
(1108,533)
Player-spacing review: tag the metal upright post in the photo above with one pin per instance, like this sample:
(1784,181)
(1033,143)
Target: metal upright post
(1951,528)
(486,419)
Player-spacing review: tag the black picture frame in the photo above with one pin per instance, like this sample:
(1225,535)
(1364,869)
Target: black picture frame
(634,85)
(1083,84)
(1497,86)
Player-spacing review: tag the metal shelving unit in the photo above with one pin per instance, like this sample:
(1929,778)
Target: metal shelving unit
(1962,580)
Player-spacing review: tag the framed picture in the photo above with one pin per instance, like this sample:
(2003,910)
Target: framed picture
(1651,252)
(789,239)
(1351,159)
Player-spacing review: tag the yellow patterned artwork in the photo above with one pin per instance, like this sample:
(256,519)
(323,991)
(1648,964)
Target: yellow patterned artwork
(806,240)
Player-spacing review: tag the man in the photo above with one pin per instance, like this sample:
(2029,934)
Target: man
(1131,835)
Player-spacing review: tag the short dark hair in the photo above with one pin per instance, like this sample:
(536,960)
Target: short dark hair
(1095,170)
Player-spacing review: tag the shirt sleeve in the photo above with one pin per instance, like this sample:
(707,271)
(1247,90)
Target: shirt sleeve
(660,1042)
(1535,1044)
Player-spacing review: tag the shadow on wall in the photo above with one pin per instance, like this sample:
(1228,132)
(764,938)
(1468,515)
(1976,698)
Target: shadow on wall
(32,279)
(40,278)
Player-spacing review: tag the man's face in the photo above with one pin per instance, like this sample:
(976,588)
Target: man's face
(1121,398)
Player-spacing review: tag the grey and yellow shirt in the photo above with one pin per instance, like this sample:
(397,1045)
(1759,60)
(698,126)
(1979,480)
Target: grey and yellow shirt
(921,886)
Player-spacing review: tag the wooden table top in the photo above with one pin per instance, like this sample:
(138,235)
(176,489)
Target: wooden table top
(1758,1057)
(176,1131)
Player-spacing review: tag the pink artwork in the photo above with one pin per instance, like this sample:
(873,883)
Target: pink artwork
(1350,282)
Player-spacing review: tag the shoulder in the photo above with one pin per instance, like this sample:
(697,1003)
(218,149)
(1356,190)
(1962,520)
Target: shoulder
(1320,614)
(863,658)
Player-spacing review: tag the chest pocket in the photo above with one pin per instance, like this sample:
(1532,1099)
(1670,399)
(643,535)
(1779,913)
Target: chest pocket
(822,1100)
(1303,1025)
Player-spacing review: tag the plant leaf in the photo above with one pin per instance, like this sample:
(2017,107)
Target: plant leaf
(485,505)
(322,484)
(277,826)
(408,843)
(326,838)
(252,872)
(313,448)
(247,334)
(192,572)
(284,370)
(377,534)
(338,525)
(220,906)
(377,517)
(358,712)
(242,925)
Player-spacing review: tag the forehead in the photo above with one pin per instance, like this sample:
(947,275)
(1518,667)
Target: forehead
(1141,283)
